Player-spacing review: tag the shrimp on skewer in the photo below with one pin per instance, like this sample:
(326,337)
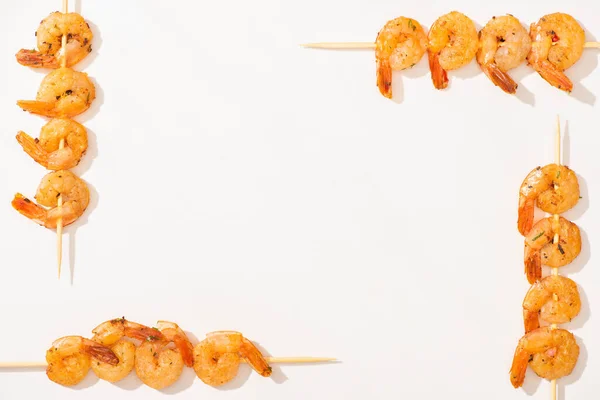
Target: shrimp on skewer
(555,189)
(158,366)
(217,358)
(539,303)
(125,352)
(400,44)
(504,44)
(69,359)
(540,248)
(73,190)
(111,333)
(47,151)
(62,93)
(558,42)
(453,43)
(551,353)
(49,41)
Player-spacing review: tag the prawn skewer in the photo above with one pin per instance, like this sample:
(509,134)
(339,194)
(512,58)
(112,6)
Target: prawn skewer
(61,145)
(270,360)
(158,355)
(371,46)
(555,240)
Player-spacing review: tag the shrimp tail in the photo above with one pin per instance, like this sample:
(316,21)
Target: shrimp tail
(29,209)
(526,211)
(186,350)
(438,74)
(500,78)
(255,358)
(38,107)
(553,75)
(533,265)
(33,148)
(384,77)
(35,59)
(519,368)
(100,352)
(531,320)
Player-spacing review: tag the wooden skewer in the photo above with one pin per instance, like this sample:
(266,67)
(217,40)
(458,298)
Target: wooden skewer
(270,360)
(61,145)
(368,45)
(555,240)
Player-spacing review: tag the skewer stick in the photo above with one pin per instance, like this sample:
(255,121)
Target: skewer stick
(555,240)
(270,360)
(61,145)
(368,45)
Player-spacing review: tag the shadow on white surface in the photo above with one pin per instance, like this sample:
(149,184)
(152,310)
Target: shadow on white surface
(187,378)
(532,382)
(582,68)
(420,70)
(71,230)
(467,72)
(518,74)
(130,382)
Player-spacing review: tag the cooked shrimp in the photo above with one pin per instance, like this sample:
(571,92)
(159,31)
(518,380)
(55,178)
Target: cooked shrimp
(46,151)
(63,93)
(69,359)
(112,331)
(73,190)
(540,248)
(217,358)
(504,44)
(49,41)
(554,299)
(125,352)
(558,42)
(453,43)
(173,333)
(554,187)
(551,353)
(400,44)
(159,366)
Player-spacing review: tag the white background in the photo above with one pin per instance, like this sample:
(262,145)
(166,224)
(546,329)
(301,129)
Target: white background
(241,182)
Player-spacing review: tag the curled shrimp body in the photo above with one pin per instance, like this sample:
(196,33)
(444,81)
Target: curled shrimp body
(504,44)
(453,43)
(217,358)
(46,150)
(555,189)
(540,302)
(69,359)
(400,44)
(62,93)
(125,352)
(159,366)
(551,353)
(49,41)
(73,191)
(558,42)
(541,249)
